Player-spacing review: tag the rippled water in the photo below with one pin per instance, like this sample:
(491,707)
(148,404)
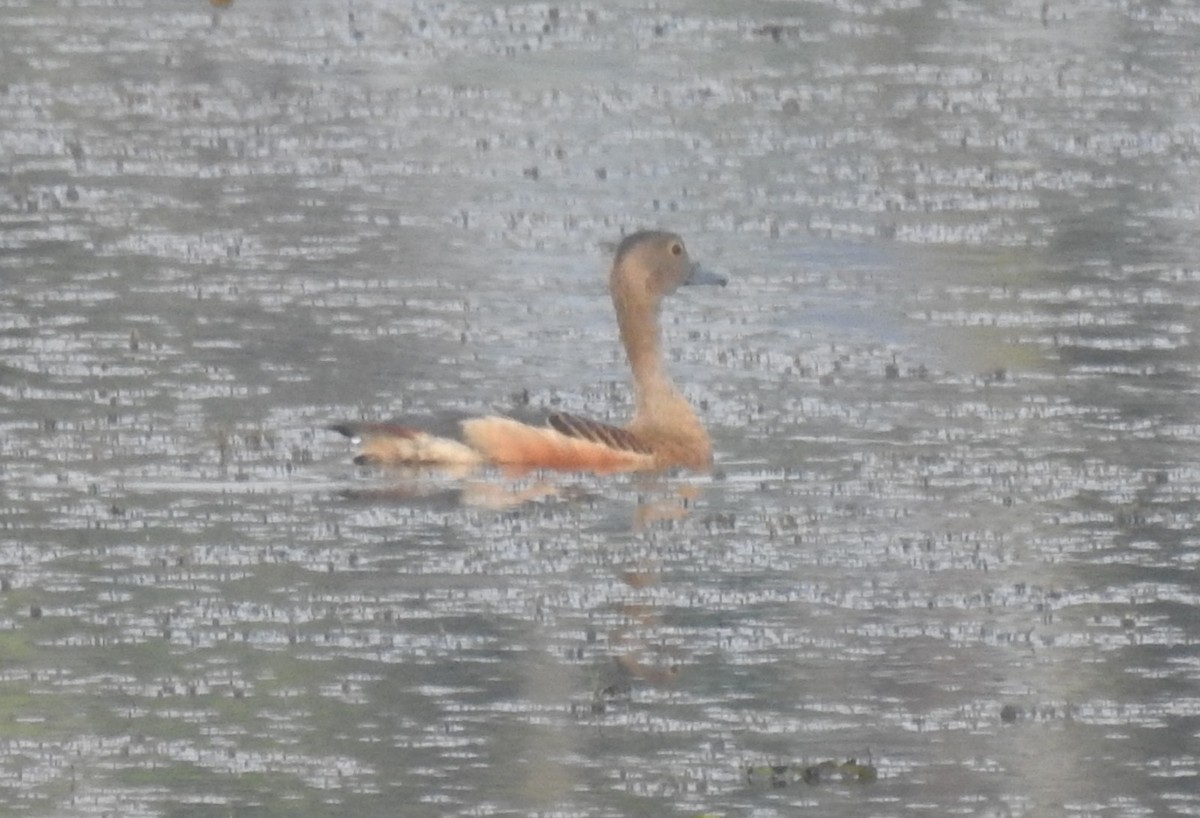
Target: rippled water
(952,529)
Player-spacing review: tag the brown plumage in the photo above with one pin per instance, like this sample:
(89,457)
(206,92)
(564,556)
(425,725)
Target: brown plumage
(663,433)
(614,437)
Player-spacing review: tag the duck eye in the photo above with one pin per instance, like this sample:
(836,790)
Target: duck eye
(676,249)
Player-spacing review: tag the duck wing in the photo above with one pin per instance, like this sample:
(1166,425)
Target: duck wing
(603,433)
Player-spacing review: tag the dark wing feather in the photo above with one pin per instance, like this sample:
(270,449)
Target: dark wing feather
(607,435)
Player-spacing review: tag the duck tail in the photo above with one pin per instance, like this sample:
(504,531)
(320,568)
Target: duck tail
(394,444)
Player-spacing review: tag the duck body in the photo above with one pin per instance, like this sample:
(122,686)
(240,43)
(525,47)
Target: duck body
(663,433)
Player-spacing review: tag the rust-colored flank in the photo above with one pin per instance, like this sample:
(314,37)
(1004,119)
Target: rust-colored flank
(664,432)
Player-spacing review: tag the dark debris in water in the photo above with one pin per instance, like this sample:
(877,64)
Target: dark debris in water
(850,771)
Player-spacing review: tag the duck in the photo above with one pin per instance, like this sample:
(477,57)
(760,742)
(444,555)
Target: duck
(664,432)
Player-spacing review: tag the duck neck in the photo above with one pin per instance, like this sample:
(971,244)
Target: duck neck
(654,391)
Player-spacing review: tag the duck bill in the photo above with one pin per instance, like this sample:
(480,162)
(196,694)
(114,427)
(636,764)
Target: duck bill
(698,275)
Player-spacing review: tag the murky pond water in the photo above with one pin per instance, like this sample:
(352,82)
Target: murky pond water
(952,533)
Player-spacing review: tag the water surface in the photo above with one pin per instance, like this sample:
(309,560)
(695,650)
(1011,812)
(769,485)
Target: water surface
(951,531)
